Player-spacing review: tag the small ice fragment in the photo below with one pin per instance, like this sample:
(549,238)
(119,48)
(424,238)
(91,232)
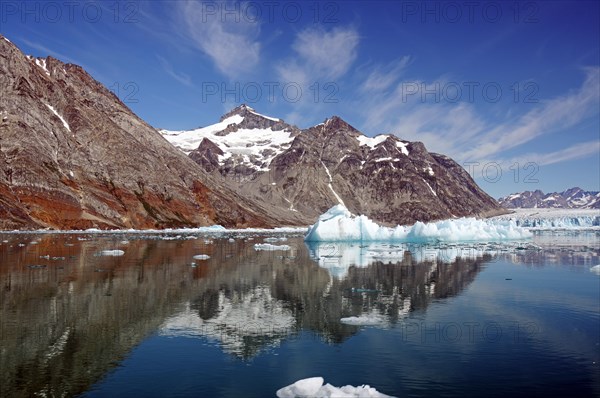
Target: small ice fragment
(267,246)
(112,252)
(595,269)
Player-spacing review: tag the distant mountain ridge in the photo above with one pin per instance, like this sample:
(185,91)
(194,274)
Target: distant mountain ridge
(307,171)
(573,198)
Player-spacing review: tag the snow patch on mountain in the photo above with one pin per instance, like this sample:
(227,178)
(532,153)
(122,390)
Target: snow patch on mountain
(62,119)
(402,146)
(371,142)
(249,146)
(339,199)
(573,198)
(41,62)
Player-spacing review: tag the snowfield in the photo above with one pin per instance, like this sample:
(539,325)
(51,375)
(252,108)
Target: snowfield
(339,225)
(250,145)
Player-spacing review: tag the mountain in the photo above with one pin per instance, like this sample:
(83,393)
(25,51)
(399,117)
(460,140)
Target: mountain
(307,171)
(573,198)
(72,155)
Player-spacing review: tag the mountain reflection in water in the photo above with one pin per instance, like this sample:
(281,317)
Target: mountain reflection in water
(69,314)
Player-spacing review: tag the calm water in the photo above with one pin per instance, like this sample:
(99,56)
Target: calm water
(518,319)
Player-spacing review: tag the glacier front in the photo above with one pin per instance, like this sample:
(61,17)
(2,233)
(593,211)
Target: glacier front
(339,225)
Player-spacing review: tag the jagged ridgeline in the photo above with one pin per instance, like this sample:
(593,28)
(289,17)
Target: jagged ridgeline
(307,171)
(74,156)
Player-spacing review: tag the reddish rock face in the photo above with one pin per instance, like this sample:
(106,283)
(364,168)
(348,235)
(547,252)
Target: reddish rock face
(72,155)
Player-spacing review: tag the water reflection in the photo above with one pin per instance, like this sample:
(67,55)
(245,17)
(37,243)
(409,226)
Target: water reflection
(69,314)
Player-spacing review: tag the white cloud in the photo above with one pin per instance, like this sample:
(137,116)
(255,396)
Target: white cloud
(230,42)
(319,59)
(382,78)
(180,77)
(329,53)
(320,54)
(553,115)
(577,151)
(458,130)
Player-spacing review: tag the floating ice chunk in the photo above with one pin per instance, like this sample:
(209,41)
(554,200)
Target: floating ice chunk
(339,225)
(595,269)
(302,388)
(201,257)
(112,252)
(268,246)
(365,320)
(313,387)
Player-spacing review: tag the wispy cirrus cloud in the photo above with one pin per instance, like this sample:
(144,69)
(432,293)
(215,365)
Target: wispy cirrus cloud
(383,77)
(577,151)
(320,54)
(182,78)
(552,115)
(231,43)
(459,130)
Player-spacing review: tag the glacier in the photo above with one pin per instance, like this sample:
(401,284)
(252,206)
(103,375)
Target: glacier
(339,225)
(551,219)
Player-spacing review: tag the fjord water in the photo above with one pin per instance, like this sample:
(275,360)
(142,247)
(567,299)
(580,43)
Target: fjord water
(518,319)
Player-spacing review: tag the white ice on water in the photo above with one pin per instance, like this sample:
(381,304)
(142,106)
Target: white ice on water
(270,247)
(313,387)
(112,252)
(548,219)
(201,257)
(595,269)
(339,225)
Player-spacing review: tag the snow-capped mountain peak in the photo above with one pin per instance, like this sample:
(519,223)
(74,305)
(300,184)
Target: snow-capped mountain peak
(244,137)
(573,198)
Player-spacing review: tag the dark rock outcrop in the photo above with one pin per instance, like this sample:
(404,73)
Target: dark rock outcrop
(389,180)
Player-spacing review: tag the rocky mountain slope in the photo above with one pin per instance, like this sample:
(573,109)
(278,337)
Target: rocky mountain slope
(573,198)
(308,171)
(72,155)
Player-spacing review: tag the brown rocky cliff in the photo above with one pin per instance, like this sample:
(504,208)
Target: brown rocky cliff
(103,166)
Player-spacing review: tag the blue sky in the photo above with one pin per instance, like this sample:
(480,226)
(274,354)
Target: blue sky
(508,89)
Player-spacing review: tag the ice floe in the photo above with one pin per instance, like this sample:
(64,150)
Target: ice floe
(112,252)
(201,257)
(339,225)
(268,246)
(313,387)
